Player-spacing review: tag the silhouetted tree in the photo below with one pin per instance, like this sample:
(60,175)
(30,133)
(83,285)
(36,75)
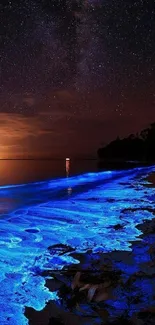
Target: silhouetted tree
(134,147)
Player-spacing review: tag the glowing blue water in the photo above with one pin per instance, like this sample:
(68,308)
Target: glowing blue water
(80,212)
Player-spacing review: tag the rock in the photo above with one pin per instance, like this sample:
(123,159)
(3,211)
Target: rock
(54,321)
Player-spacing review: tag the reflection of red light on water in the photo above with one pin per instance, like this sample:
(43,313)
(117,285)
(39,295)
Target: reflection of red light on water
(67,166)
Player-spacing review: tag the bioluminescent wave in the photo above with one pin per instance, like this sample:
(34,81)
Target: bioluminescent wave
(80,212)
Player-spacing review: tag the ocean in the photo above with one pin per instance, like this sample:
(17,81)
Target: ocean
(52,213)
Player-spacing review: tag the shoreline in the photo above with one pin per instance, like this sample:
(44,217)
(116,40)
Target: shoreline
(135,274)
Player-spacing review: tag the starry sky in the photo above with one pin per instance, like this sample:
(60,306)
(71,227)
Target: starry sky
(74,74)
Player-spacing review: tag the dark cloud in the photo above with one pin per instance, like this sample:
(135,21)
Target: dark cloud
(65,122)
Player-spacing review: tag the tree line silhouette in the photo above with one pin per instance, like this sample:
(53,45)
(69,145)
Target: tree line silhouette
(139,147)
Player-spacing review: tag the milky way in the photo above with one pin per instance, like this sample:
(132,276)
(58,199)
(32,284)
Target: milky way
(100,54)
(50,42)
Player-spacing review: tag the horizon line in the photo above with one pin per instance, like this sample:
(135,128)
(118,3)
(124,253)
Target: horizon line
(44,158)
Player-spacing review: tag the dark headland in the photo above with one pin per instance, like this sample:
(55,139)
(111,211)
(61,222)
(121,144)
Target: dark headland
(132,151)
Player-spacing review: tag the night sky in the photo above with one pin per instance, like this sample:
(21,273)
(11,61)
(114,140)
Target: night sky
(74,74)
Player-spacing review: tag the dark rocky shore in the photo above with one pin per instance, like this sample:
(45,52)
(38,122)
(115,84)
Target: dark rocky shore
(105,288)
